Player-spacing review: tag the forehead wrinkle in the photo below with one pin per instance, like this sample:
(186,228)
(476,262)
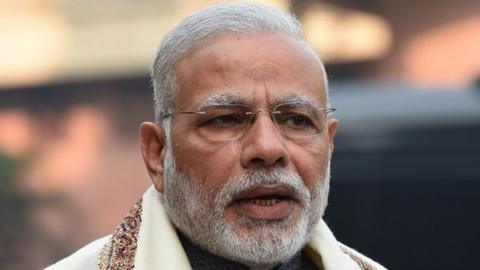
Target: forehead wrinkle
(263,72)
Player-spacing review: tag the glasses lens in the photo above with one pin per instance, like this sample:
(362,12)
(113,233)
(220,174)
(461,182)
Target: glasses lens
(299,121)
(223,123)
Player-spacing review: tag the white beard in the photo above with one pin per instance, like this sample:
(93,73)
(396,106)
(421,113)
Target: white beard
(259,243)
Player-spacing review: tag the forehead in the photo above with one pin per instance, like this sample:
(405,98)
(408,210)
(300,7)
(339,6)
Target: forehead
(256,67)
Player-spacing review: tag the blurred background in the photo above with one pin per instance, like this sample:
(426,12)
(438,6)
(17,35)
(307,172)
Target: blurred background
(74,87)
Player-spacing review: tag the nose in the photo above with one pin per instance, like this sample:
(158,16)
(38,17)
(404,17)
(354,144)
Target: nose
(263,145)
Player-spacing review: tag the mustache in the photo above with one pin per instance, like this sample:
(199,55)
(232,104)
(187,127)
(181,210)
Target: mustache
(239,184)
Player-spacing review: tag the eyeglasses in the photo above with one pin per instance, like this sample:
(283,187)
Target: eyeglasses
(297,121)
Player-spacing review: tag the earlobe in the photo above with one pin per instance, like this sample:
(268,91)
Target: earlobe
(332,130)
(153,146)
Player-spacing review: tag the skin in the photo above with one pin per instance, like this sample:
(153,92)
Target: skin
(261,69)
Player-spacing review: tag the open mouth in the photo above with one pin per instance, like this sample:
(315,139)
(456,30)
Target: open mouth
(268,202)
(265,201)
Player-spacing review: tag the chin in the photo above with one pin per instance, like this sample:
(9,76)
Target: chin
(260,243)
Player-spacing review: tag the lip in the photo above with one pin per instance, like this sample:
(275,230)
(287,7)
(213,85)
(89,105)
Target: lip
(265,191)
(245,204)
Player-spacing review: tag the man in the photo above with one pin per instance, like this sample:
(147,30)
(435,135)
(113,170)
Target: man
(239,154)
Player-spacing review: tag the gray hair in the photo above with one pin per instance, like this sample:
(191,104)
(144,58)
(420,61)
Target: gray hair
(240,17)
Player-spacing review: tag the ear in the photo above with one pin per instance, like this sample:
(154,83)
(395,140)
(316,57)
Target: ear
(153,150)
(332,130)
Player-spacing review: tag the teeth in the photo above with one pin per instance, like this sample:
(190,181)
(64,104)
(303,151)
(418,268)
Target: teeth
(268,202)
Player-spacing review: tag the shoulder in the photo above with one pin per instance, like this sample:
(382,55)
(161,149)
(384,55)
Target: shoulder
(85,258)
(363,261)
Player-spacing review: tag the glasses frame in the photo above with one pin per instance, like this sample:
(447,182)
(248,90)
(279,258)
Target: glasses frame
(253,115)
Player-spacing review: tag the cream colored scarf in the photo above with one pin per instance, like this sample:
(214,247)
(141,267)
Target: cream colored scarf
(146,240)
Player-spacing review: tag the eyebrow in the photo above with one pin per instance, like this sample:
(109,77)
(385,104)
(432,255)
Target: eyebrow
(299,99)
(233,99)
(221,99)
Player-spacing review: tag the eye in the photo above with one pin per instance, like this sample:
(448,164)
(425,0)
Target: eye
(224,120)
(297,121)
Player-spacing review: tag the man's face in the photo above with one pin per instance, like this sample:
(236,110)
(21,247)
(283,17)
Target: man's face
(259,188)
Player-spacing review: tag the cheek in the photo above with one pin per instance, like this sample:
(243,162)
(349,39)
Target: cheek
(311,164)
(211,164)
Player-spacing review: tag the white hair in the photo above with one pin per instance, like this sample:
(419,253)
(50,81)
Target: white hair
(243,17)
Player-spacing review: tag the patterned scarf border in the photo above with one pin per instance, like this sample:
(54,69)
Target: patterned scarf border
(119,252)
(364,265)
